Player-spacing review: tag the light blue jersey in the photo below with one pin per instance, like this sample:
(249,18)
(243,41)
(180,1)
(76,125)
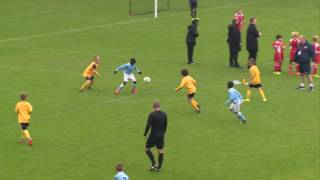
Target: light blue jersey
(234,96)
(128,68)
(121,176)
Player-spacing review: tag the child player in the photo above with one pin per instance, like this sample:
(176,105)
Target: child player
(278,47)
(128,70)
(24,109)
(235,100)
(316,57)
(255,81)
(191,85)
(90,72)
(239,17)
(294,43)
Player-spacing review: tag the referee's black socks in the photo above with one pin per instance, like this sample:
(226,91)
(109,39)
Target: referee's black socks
(151,157)
(160,159)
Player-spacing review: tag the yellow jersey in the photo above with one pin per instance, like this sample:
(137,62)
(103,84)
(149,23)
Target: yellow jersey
(189,83)
(90,70)
(24,109)
(254,75)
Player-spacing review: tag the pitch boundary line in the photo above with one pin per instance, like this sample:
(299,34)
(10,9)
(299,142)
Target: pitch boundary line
(117,23)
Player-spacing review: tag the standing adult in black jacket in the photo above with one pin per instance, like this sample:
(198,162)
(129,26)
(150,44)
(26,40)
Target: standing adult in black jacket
(252,39)
(234,41)
(191,36)
(303,56)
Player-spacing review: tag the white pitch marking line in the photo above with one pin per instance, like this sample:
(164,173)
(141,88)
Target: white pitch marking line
(117,23)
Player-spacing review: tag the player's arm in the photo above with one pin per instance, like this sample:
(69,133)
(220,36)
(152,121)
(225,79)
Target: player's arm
(95,70)
(231,97)
(120,68)
(16,109)
(147,126)
(30,109)
(182,84)
(138,70)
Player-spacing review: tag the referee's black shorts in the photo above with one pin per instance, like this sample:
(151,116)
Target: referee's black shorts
(255,85)
(155,140)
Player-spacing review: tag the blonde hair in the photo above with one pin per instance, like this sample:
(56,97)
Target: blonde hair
(295,34)
(315,38)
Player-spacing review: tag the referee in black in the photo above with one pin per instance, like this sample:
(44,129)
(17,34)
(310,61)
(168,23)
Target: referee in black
(191,36)
(157,121)
(234,42)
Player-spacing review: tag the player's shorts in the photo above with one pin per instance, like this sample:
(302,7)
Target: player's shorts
(235,107)
(155,140)
(255,85)
(304,68)
(127,77)
(292,54)
(24,126)
(191,95)
(278,57)
(317,59)
(90,78)
(193,5)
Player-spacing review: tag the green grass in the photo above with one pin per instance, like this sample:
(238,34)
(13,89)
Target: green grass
(45,46)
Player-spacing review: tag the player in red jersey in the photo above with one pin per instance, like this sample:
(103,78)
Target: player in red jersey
(239,17)
(316,58)
(294,42)
(278,47)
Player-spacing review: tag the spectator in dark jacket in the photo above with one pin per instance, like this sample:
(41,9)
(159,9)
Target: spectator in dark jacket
(234,41)
(192,34)
(303,56)
(252,39)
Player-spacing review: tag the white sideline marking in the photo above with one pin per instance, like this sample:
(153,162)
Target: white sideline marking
(118,23)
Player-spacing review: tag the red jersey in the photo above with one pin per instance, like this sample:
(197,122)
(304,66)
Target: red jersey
(239,20)
(278,47)
(316,47)
(294,43)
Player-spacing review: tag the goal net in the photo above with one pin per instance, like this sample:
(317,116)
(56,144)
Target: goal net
(144,7)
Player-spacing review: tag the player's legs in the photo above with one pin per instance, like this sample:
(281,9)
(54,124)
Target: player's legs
(160,145)
(25,132)
(236,111)
(86,84)
(309,77)
(160,158)
(261,92)
(149,144)
(249,92)
(195,105)
(315,66)
(134,83)
(120,87)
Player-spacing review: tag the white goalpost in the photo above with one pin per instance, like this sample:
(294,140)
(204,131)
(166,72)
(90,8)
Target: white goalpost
(145,7)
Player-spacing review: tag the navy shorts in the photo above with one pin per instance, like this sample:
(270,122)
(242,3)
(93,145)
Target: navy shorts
(255,85)
(193,5)
(90,78)
(304,68)
(155,140)
(24,126)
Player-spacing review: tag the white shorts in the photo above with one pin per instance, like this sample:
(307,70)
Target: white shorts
(127,77)
(235,107)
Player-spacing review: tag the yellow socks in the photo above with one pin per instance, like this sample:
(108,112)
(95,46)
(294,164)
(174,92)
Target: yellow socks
(26,134)
(262,93)
(248,93)
(195,104)
(85,86)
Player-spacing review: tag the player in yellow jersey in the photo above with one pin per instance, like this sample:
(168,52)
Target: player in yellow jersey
(191,85)
(90,72)
(24,109)
(255,81)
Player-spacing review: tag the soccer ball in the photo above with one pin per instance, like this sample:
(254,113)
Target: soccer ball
(147,79)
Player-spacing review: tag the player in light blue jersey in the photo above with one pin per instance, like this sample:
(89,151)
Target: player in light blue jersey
(120,173)
(235,100)
(128,70)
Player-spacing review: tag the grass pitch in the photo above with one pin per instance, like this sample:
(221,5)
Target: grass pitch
(45,46)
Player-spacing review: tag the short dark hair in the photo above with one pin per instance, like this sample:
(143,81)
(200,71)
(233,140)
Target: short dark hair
(132,61)
(252,60)
(278,36)
(230,84)
(184,72)
(23,96)
(252,19)
(119,167)
(156,105)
